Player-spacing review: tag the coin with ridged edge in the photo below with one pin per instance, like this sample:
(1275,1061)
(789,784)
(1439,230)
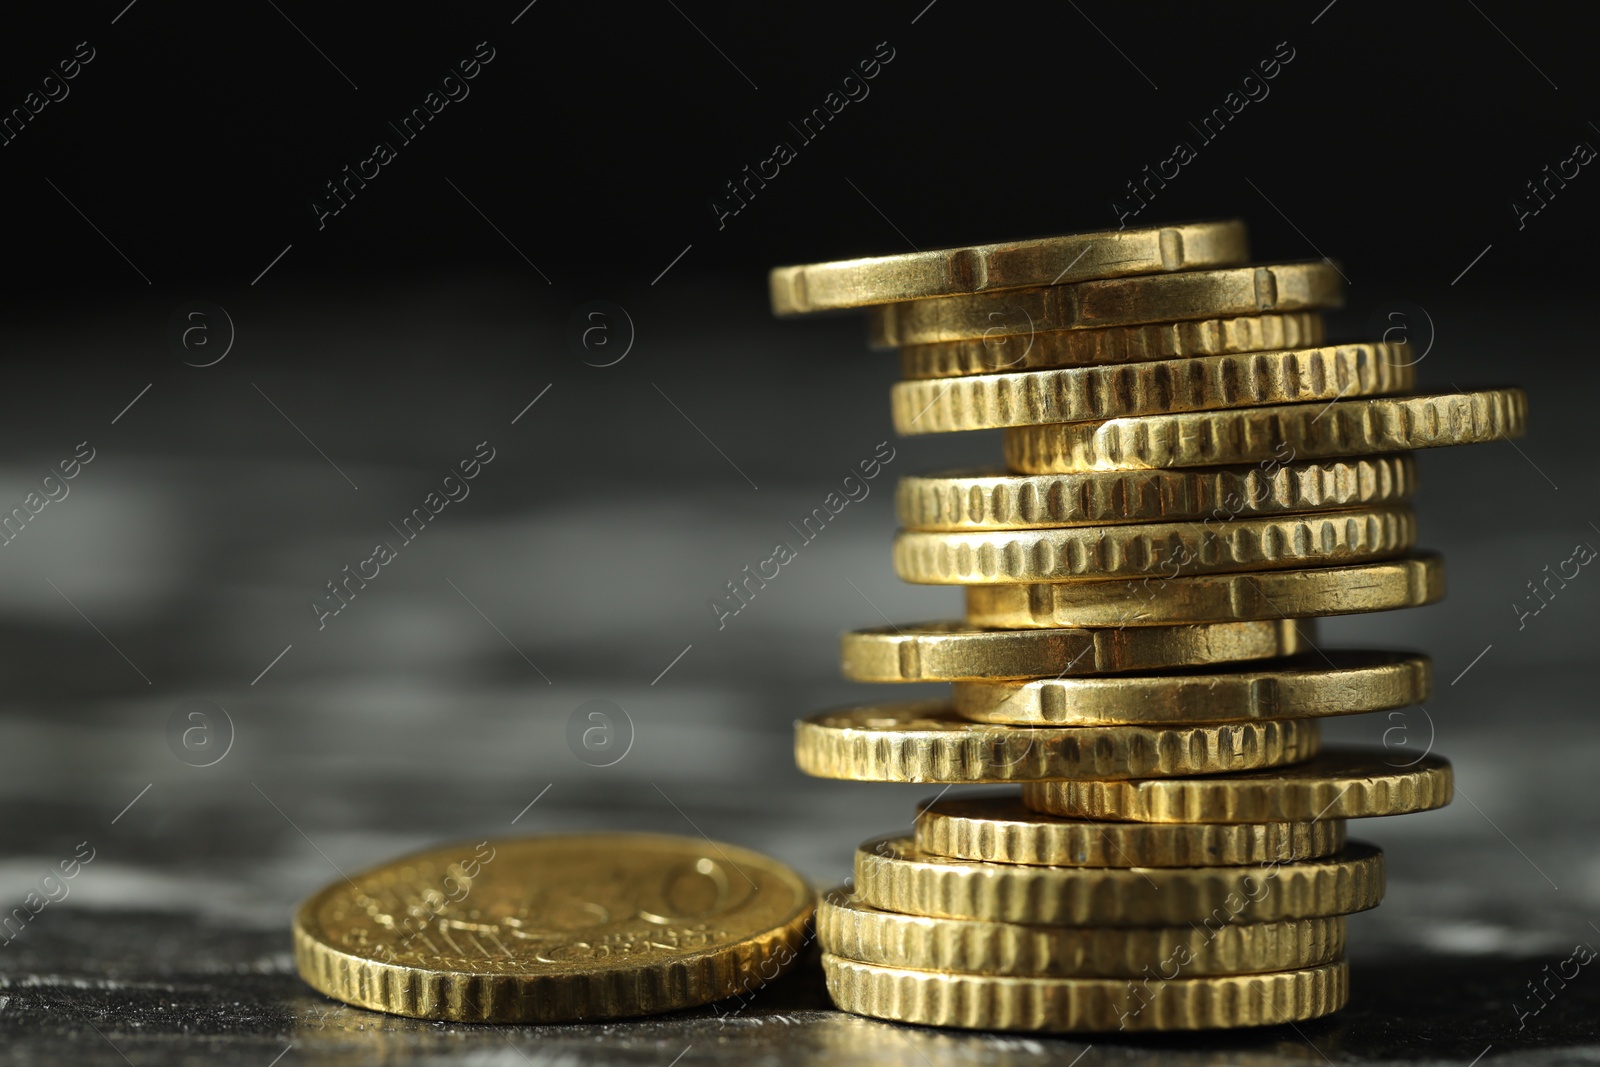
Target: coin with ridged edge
(1312,685)
(893,875)
(1085,1005)
(1161,549)
(1338,783)
(953,651)
(1198,383)
(1111,344)
(1194,294)
(1283,432)
(928,742)
(993,500)
(1040,261)
(846,927)
(1159,601)
(1000,829)
(554,929)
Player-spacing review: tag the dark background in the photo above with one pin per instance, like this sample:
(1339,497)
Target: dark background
(424,318)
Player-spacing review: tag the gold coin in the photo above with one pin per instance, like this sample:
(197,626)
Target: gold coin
(1085,1005)
(554,929)
(999,829)
(1362,587)
(1111,344)
(928,742)
(1339,783)
(848,928)
(892,875)
(952,651)
(1088,394)
(1163,550)
(1010,265)
(1270,434)
(991,500)
(1194,294)
(1341,682)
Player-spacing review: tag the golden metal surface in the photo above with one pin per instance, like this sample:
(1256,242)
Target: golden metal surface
(891,874)
(1198,383)
(993,500)
(953,651)
(1194,294)
(1085,1005)
(848,928)
(1009,265)
(1384,586)
(1314,684)
(1338,783)
(1111,344)
(1162,550)
(928,742)
(998,828)
(554,929)
(1270,434)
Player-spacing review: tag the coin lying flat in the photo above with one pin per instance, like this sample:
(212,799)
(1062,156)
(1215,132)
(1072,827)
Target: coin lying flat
(1000,829)
(554,929)
(1152,601)
(1283,433)
(1111,344)
(952,651)
(993,500)
(1198,383)
(846,927)
(1163,550)
(1193,294)
(892,875)
(928,742)
(1314,684)
(1010,265)
(1339,783)
(1067,1005)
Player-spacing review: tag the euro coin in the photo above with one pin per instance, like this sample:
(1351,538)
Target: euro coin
(1338,783)
(892,875)
(1111,344)
(1282,433)
(1158,550)
(846,927)
(1085,1005)
(961,501)
(953,651)
(998,828)
(1194,294)
(1199,383)
(928,742)
(554,929)
(1338,682)
(1009,265)
(1159,601)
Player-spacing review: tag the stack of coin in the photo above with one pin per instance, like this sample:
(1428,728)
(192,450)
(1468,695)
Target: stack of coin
(1192,477)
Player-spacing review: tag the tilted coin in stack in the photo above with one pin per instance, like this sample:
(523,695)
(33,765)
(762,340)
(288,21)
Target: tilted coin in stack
(1193,474)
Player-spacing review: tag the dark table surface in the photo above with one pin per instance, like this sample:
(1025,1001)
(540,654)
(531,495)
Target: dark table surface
(434,706)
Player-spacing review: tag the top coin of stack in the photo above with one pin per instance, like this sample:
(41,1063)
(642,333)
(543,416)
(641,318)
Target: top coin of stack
(1192,476)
